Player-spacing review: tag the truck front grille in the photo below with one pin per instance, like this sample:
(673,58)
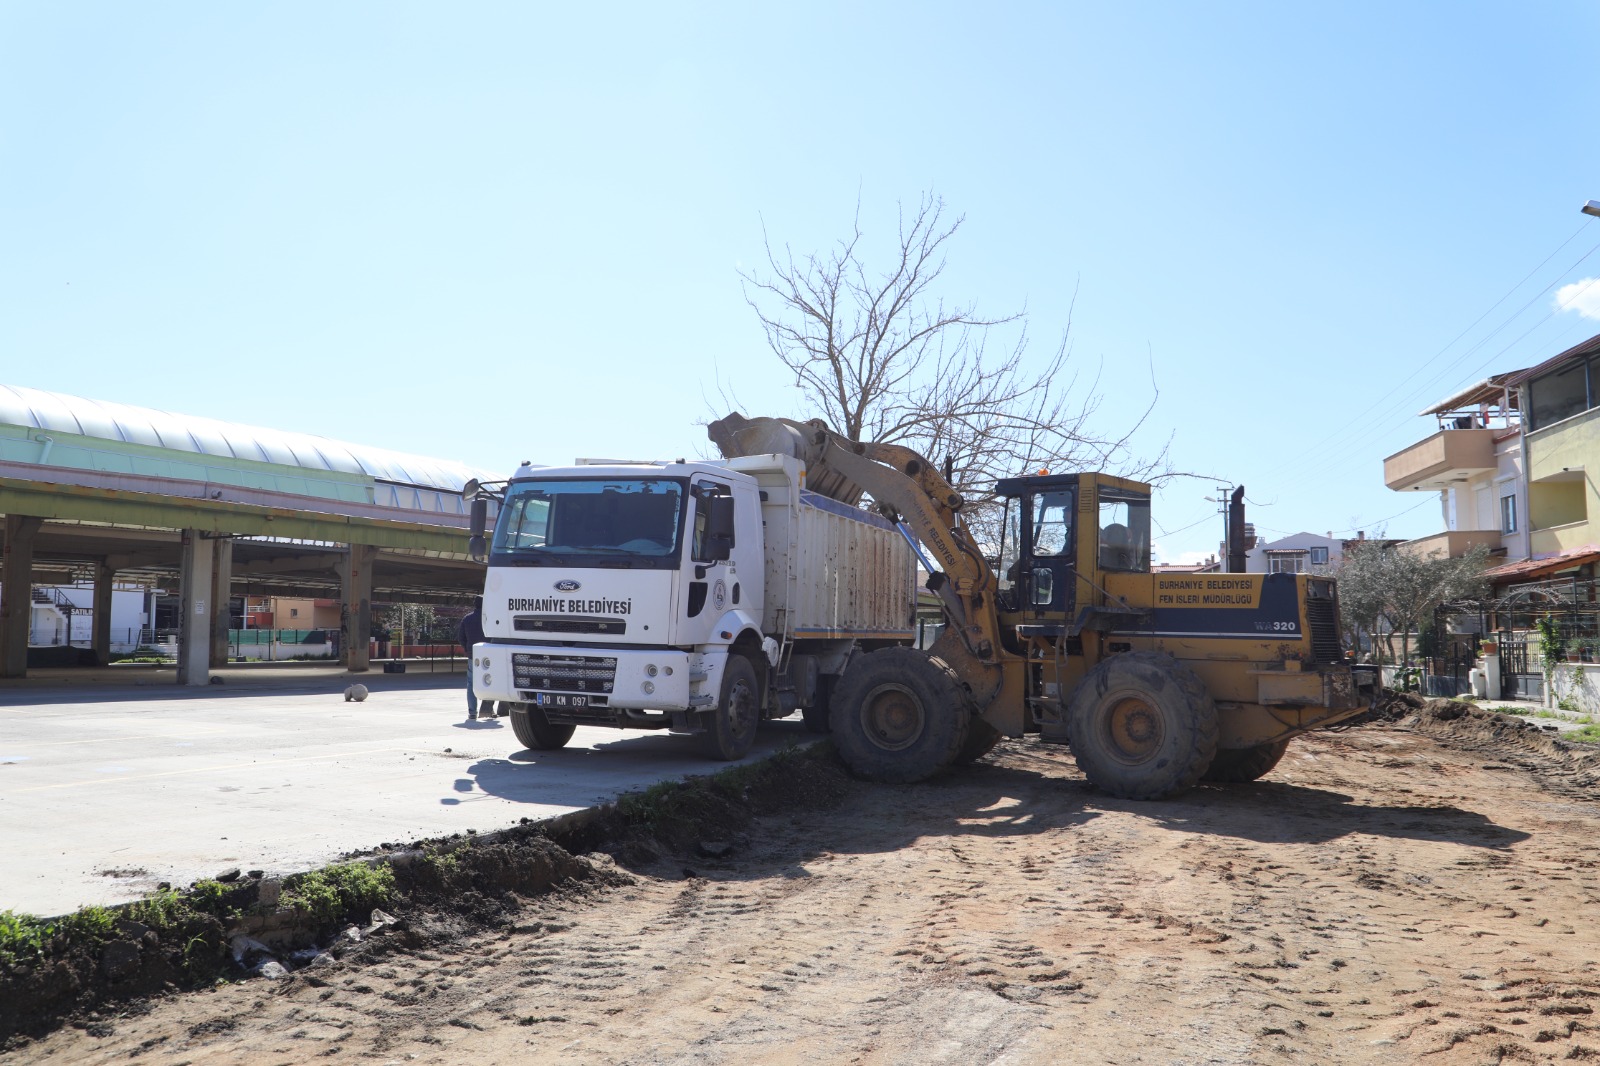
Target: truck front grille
(558,624)
(1324,619)
(563,673)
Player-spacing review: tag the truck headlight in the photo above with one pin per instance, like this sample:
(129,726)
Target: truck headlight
(650,670)
(487,680)
(649,687)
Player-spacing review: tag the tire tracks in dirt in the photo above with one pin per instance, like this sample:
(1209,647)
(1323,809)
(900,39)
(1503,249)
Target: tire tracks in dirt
(1384,896)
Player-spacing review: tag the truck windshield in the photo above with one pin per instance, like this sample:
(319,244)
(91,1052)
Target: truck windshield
(550,521)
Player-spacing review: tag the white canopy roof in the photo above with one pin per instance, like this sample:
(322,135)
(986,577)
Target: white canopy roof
(58,412)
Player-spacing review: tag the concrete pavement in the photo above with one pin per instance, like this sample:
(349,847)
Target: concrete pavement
(107,790)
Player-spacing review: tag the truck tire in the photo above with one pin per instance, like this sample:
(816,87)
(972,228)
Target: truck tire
(816,715)
(534,730)
(1236,766)
(1142,726)
(981,739)
(899,715)
(731,727)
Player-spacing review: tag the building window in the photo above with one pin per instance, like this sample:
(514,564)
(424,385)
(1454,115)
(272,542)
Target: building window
(294,612)
(1319,556)
(1560,394)
(1508,514)
(1291,563)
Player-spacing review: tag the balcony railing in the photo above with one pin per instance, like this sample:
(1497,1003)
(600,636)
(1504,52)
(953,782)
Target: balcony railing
(1448,456)
(1452,544)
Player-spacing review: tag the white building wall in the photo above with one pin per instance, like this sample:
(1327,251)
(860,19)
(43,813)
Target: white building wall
(1256,560)
(49,623)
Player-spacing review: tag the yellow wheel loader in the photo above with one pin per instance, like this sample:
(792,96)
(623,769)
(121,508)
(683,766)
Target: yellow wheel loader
(1156,681)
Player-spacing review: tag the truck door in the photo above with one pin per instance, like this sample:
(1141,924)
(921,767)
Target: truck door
(1049,578)
(711,587)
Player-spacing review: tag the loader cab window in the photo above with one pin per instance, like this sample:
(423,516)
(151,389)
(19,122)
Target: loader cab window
(1010,552)
(1052,523)
(1124,530)
(1049,579)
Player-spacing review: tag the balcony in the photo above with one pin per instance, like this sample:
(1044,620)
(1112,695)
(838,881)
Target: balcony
(1452,544)
(1451,455)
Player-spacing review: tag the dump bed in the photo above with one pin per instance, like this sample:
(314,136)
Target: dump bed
(832,570)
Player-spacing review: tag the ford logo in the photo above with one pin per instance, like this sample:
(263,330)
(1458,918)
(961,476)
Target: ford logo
(568,586)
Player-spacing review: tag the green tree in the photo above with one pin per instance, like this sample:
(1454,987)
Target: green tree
(1387,585)
(410,622)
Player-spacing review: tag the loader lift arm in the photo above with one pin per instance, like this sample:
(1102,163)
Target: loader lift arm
(902,482)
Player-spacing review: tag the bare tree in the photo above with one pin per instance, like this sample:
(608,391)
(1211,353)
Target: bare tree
(882,357)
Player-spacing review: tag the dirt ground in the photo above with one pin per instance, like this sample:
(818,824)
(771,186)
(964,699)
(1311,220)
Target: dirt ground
(1417,891)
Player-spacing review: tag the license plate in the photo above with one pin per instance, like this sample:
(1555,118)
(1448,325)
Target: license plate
(548,699)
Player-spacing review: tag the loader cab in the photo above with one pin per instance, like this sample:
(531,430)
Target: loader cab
(1061,532)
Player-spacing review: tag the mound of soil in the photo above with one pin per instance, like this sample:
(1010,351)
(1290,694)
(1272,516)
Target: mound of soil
(1563,767)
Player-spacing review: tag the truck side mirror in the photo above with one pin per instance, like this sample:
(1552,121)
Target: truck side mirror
(719,527)
(477,546)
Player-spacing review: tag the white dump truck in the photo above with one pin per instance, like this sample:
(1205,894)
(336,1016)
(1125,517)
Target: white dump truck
(695,597)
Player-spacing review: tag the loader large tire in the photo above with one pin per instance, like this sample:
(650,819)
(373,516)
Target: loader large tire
(899,715)
(1142,726)
(535,731)
(1235,766)
(981,739)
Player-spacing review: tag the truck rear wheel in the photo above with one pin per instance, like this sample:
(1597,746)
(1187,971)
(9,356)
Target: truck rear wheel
(1142,726)
(731,727)
(1235,766)
(899,715)
(535,731)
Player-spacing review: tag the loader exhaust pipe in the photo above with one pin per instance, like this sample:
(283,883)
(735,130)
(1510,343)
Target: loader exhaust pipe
(1236,544)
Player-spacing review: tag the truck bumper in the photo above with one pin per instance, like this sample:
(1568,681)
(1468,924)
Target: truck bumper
(589,679)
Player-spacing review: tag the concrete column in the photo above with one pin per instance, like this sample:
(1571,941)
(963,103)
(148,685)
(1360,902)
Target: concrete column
(221,593)
(16,593)
(194,624)
(355,607)
(104,575)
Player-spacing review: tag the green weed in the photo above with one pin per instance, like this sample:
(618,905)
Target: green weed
(210,897)
(22,937)
(89,926)
(331,893)
(165,909)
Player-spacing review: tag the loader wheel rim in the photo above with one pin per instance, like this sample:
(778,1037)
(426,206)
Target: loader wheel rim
(1134,730)
(892,717)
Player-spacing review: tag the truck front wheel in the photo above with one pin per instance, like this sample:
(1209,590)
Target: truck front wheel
(535,731)
(731,727)
(1142,726)
(899,715)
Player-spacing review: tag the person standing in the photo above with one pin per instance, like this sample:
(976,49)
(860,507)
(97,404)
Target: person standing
(469,633)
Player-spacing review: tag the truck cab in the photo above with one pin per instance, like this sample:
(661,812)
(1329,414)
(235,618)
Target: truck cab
(615,594)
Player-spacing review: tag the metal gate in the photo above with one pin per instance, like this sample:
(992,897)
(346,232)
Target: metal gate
(1517,680)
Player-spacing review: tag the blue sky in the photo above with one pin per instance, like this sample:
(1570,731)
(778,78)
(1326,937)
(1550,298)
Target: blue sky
(497,232)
